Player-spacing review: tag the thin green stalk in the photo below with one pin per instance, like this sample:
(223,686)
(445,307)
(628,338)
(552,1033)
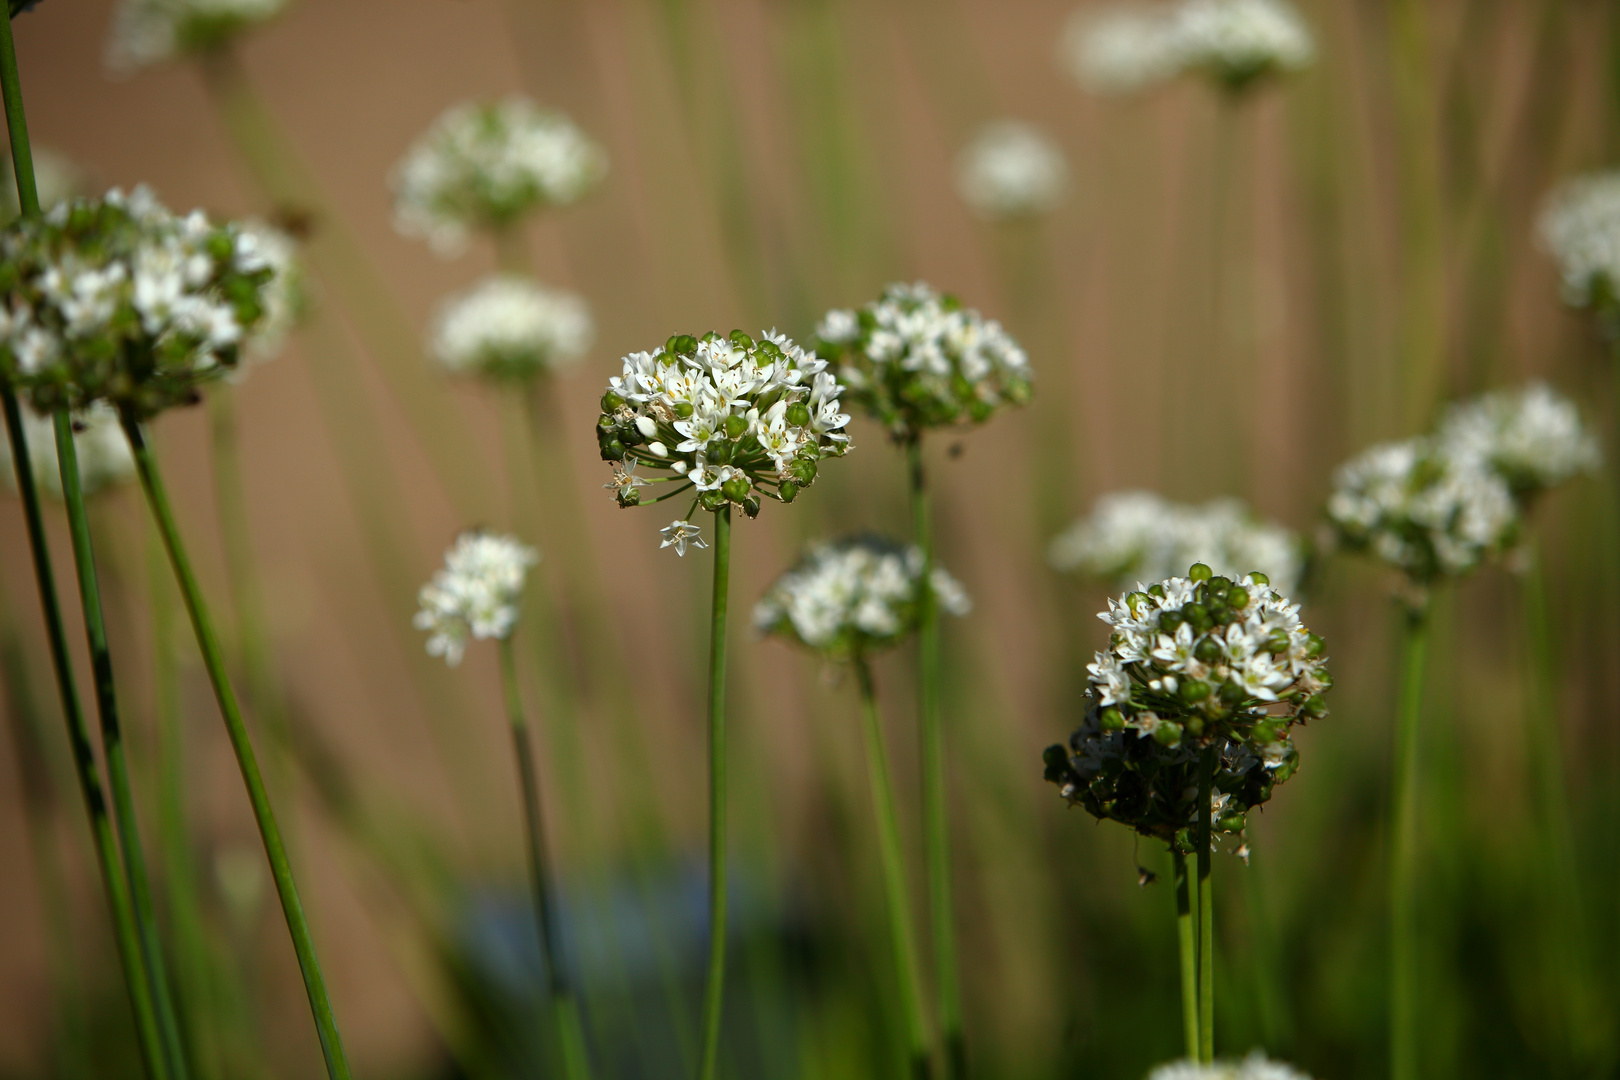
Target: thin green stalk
(898,896)
(1206,910)
(337,1066)
(714,988)
(1187,942)
(112,746)
(84,760)
(576,1062)
(1403,850)
(936,817)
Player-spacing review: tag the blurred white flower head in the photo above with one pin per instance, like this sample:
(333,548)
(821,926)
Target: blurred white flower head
(103,452)
(1121,49)
(55,177)
(1254,1067)
(485,165)
(475,595)
(854,596)
(1580,228)
(285,296)
(147,32)
(1422,509)
(1011,170)
(1132,536)
(1239,41)
(509,327)
(1533,437)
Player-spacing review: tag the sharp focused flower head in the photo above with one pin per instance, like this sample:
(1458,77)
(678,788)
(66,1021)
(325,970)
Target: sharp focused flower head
(117,299)
(1011,170)
(1241,41)
(1139,536)
(854,596)
(915,359)
(1121,49)
(485,165)
(511,328)
(1532,437)
(475,595)
(147,32)
(1254,1067)
(1580,227)
(729,418)
(103,452)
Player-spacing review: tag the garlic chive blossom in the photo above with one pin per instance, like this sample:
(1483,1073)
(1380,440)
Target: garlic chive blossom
(1011,170)
(916,359)
(1580,228)
(484,165)
(509,327)
(117,299)
(1254,1067)
(148,32)
(285,295)
(853,597)
(1533,438)
(1121,49)
(1239,42)
(726,418)
(102,450)
(475,595)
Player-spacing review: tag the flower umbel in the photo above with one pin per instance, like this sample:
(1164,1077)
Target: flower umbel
(1532,437)
(1240,41)
(484,165)
(1121,49)
(916,359)
(1580,227)
(1011,170)
(102,450)
(147,32)
(854,596)
(1254,1067)
(476,594)
(117,299)
(511,328)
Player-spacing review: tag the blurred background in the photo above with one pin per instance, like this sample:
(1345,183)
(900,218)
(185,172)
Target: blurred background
(770,159)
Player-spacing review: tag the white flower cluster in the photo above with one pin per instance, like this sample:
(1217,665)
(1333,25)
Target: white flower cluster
(118,299)
(284,297)
(476,594)
(727,416)
(1129,48)
(103,452)
(508,327)
(55,178)
(916,359)
(147,32)
(1422,509)
(854,596)
(1580,228)
(484,165)
(1208,656)
(1011,170)
(1254,1067)
(1139,536)
(1532,437)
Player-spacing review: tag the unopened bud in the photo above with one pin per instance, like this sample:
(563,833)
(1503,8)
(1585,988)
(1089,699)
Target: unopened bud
(1111,719)
(1200,572)
(735,489)
(612,401)
(736,426)
(798,414)
(787,491)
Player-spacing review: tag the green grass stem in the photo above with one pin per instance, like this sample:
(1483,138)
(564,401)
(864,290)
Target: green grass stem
(714,987)
(1187,946)
(1206,909)
(1403,850)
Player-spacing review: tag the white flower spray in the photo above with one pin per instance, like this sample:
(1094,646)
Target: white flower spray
(1011,170)
(511,328)
(1580,228)
(1254,1067)
(150,32)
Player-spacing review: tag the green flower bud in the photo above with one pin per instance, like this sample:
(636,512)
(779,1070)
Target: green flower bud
(718,452)
(1220,614)
(750,506)
(612,449)
(1277,641)
(1167,734)
(1169,620)
(220,245)
(1055,757)
(629,497)
(1208,650)
(683,409)
(1315,646)
(1200,572)
(1314,707)
(1156,589)
(1135,600)
(803,470)
(798,414)
(1265,732)
(1237,597)
(1258,578)
(1233,694)
(1111,719)
(1232,823)
(741,340)
(787,491)
(736,426)
(735,489)
(612,401)
(1194,690)
(711,500)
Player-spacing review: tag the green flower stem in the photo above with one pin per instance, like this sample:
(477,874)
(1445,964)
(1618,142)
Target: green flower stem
(1206,910)
(1187,942)
(337,1066)
(84,759)
(576,1063)
(936,818)
(901,934)
(1403,850)
(112,746)
(714,988)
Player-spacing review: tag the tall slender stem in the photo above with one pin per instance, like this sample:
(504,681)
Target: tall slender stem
(84,759)
(1206,909)
(565,1003)
(337,1066)
(112,747)
(936,817)
(1187,943)
(714,989)
(1403,850)
(902,937)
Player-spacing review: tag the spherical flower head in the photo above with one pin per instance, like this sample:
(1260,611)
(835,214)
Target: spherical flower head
(1532,437)
(855,596)
(56,179)
(1580,228)
(1121,774)
(1134,536)
(1240,41)
(729,418)
(105,459)
(1011,170)
(1254,1067)
(117,299)
(475,595)
(1207,656)
(484,165)
(1121,49)
(1422,509)
(916,359)
(510,328)
(148,32)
